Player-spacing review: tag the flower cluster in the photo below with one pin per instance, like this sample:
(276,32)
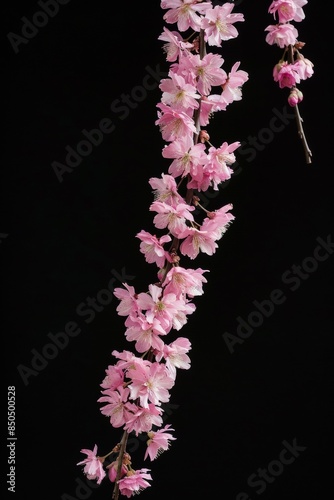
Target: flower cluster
(292,67)
(138,384)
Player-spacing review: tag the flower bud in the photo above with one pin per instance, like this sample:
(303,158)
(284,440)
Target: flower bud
(295,97)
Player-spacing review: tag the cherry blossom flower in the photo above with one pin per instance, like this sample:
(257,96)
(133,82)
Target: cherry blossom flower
(158,442)
(166,190)
(128,300)
(184,13)
(145,332)
(281,34)
(179,94)
(304,67)
(175,44)
(118,409)
(185,281)
(232,88)
(134,482)
(188,158)
(218,222)
(283,11)
(150,383)
(114,377)
(207,70)
(143,419)
(217,168)
(286,75)
(172,218)
(93,465)
(176,355)
(161,307)
(173,124)
(218,24)
(287,10)
(152,247)
(196,241)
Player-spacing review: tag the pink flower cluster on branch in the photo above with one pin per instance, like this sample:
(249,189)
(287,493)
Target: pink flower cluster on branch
(292,67)
(139,382)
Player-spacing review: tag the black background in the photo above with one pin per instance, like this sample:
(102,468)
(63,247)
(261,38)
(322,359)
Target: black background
(61,242)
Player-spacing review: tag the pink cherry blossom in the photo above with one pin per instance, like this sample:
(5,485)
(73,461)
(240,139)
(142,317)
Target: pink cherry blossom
(164,307)
(117,407)
(181,317)
(184,13)
(196,241)
(128,301)
(173,124)
(134,482)
(287,10)
(145,332)
(152,247)
(304,67)
(158,442)
(176,355)
(218,24)
(128,359)
(143,419)
(281,35)
(175,44)
(188,158)
(114,377)
(218,222)
(217,168)
(207,70)
(283,10)
(286,75)
(93,466)
(166,190)
(185,281)
(150,384)
(172,218)
(232,88)
(179,94)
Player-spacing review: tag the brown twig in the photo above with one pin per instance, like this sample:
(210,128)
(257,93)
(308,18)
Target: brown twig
(299,120)
(115,494)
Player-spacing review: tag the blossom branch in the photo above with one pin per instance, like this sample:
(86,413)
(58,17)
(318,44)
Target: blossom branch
(137,384)
(299,120)
(290,70)
(122,449)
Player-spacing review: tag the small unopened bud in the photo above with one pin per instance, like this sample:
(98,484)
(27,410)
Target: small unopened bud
(295,97)
(299,45)
(204,136)
(196,44)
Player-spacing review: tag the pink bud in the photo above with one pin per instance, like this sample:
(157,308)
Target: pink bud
(295,97)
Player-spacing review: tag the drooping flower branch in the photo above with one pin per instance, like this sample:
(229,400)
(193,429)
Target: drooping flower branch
(292,66)
(138,384)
